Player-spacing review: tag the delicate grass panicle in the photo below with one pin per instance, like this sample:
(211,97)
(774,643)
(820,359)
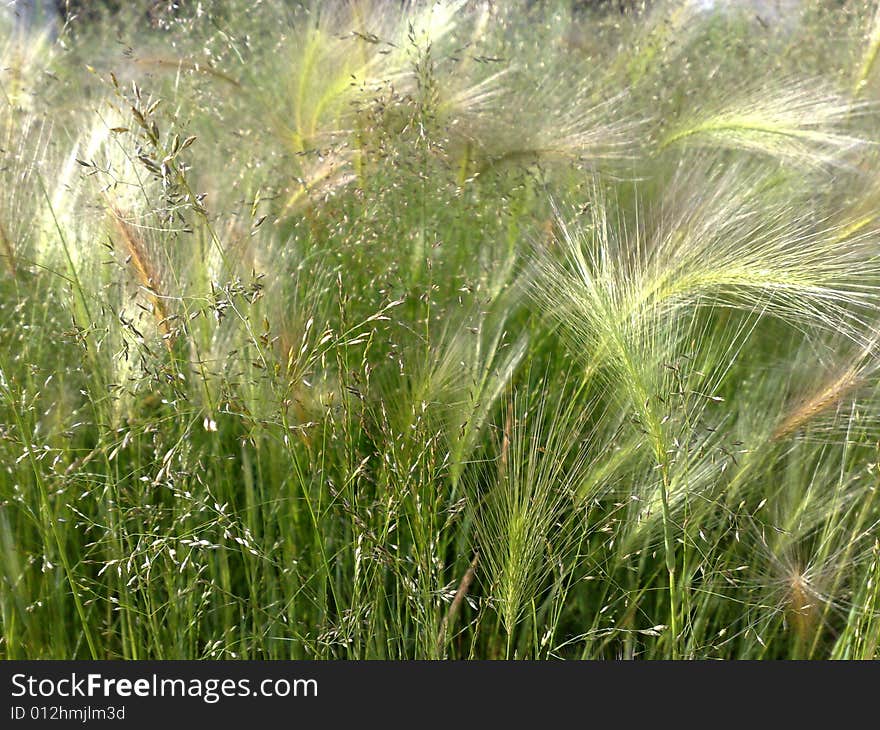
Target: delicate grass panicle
(440,330)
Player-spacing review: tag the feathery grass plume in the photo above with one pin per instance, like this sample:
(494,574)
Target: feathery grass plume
(524,521)
(530,102)
(617,292)
(698,411)
(338,57)
(814,538)
(800,122)
(604,303)
(869,55)
(299,303)
(626,299)
(553,119)
(801,604)
(145,267)
(830,392)
(737,243)
(724,246)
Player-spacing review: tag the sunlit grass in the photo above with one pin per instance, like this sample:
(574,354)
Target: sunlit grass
(440,330)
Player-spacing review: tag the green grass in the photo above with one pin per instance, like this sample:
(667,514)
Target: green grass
(352,331)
